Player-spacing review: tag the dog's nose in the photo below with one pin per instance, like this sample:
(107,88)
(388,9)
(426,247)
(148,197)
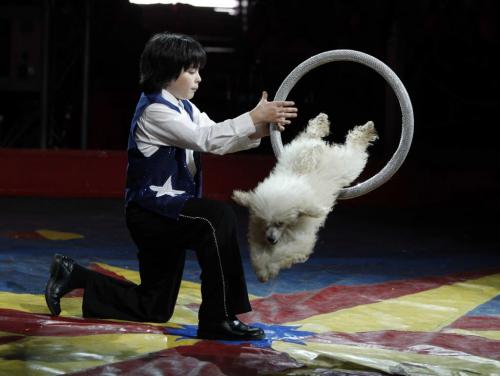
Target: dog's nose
(271,239)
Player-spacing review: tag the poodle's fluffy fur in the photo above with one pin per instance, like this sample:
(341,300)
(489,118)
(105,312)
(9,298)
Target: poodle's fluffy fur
(291,204)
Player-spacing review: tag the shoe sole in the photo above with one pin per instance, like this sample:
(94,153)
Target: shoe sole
(54,273)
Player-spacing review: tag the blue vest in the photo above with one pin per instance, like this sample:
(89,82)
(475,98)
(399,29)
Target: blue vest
(161,182)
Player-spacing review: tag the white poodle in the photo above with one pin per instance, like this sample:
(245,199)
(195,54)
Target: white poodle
(291,204)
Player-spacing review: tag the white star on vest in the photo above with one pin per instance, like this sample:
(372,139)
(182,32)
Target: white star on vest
(166,189)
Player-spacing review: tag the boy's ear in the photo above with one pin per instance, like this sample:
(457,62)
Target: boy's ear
(314,211)
(242,198)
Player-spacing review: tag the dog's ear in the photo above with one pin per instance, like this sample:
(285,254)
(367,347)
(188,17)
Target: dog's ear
(314,211)
(242,198)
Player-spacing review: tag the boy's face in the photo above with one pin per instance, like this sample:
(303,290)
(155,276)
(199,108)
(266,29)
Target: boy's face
(186,84)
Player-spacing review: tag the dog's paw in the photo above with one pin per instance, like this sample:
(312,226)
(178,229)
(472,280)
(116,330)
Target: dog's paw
(264,275)
(369,131)
(300,259)
(318,127)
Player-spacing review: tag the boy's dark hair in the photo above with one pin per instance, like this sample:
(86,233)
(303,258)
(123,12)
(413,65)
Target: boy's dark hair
(165,56)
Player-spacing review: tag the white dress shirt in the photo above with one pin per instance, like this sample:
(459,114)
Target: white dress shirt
(160,125)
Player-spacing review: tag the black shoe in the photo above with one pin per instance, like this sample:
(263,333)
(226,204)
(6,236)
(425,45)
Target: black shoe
(59,282)
(229,330)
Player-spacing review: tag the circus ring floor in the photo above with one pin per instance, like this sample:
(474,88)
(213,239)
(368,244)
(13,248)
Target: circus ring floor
(386,292)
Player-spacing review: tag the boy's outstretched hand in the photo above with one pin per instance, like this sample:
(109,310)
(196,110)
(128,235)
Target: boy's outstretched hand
(277,112)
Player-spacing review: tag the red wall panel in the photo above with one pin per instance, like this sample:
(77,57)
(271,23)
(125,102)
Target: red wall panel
(75,173)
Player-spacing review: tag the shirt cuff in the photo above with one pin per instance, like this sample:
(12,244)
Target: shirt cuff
(247,129)
(245,124)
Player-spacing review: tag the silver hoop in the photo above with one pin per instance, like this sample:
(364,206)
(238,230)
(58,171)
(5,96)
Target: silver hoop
(397,86)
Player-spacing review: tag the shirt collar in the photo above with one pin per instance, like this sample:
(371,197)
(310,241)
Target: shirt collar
(171,98)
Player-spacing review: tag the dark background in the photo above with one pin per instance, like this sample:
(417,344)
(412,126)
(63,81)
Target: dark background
(446,53)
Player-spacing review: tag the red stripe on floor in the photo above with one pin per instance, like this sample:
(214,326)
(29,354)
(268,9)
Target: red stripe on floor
(25,235)
(8,339)
(282,308)
(207,358)
(33,324)
(477,322)
(418,342)
(99,269)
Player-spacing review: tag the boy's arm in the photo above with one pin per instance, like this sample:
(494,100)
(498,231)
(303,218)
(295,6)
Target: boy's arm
(265,112)
(161,126)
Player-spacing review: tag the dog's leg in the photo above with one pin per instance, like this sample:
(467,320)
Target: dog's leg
(304,153)
(349,159)
(318,127)
(362,135)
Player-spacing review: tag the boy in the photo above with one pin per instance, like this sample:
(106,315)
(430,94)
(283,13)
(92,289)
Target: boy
(164,210)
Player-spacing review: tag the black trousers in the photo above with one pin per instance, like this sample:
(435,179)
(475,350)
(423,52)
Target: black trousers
(206,226)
